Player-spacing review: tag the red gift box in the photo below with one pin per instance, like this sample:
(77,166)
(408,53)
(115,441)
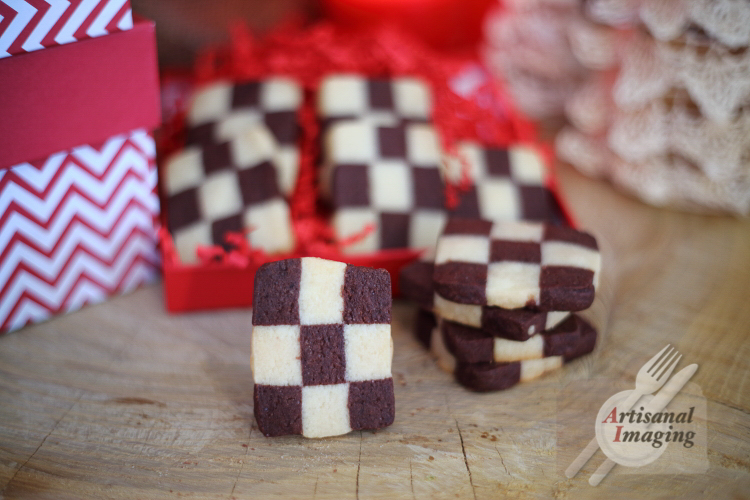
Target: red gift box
(29,25)
(467,105)
(78,199)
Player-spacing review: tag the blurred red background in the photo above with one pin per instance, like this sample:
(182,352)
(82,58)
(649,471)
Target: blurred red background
(183,27)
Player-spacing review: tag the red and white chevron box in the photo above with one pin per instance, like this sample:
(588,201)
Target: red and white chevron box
(29,25)
(78,200)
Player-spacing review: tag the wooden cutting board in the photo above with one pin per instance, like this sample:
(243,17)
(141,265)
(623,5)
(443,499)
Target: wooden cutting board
(122,400)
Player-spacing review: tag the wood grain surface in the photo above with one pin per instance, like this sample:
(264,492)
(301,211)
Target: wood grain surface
(122,400)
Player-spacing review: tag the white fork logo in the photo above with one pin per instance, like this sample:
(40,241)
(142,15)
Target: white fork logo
(651,377)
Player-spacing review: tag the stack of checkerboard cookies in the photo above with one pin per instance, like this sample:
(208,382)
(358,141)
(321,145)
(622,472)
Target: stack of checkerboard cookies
(498,303)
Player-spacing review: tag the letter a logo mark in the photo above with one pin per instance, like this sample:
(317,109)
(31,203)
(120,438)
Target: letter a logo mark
(612,417)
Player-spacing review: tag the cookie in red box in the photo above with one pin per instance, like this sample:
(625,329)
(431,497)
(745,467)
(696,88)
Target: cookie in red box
(219,189)
(222,110)
(387,101)
(387,177)
(381,78)
(503,183)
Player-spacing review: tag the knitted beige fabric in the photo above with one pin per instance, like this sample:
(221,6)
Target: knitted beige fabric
(526,46)
(665,112)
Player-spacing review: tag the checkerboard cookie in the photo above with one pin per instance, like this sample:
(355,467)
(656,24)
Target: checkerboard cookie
(512,324)
(322,348)
(385,101)
(571,338)
(514,264)
(493,376)
(424,324)
(415,283)
(506,184)
(486,377)
(222,110)
(388,177)
(224,188)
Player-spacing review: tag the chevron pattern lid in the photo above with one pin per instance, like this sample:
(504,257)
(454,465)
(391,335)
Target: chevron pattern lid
(77,227)
(29,25)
